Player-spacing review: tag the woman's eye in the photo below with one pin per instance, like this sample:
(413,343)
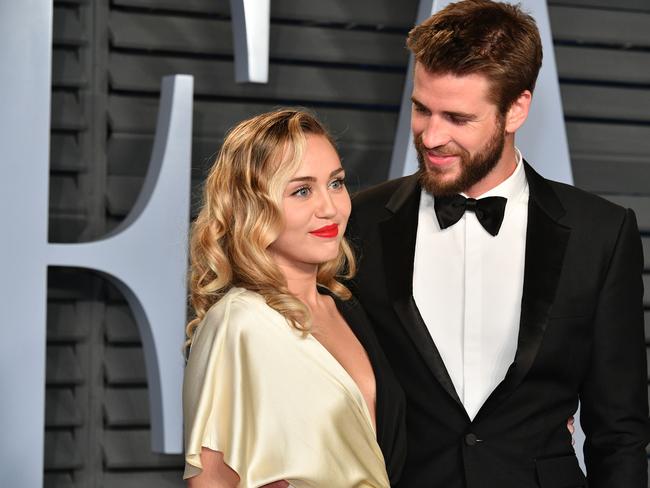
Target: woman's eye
(303,191)
(337,184)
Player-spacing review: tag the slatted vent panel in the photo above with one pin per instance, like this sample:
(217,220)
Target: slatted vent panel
(68,311)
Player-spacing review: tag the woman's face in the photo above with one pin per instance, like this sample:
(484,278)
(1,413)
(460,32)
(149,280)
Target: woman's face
(316,208)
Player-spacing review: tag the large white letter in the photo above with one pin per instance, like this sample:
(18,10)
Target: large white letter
(251,24)
(25,60)
(146,257)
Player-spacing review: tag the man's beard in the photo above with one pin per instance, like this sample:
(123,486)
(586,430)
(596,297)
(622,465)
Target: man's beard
(472,168)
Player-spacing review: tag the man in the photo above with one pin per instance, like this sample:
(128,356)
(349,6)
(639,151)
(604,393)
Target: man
(496,328)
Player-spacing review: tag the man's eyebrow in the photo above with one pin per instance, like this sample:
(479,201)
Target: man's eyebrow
(448,113)
(460,115)
(416,101)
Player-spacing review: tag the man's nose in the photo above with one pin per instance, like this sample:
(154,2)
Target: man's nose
(435,133)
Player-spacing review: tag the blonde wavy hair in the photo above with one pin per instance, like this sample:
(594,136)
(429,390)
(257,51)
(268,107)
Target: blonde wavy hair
(242,215)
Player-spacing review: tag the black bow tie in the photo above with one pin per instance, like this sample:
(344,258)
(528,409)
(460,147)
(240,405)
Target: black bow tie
(488,210)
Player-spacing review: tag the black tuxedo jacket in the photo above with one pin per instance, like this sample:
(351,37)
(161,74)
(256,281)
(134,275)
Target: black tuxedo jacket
(580,337)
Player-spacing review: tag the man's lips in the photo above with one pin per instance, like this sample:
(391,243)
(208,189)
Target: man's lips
(326,231)
(440,159)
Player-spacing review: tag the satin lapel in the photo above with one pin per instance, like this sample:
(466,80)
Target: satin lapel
(398,234)
(546,241)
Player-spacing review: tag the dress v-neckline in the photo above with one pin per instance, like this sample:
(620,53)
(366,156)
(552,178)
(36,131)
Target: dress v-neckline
(349,382)
(352,385)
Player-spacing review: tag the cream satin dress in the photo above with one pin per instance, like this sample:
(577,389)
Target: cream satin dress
(275,402)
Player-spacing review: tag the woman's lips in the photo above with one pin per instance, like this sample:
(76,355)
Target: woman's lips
(326,231)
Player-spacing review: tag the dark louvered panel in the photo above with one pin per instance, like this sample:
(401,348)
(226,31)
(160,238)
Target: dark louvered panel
(67,71)
(62,451)
(72,311)
(67,112)
(634,5)
(65,194)
(70,81)
(125,366)
(127,407)
(140,479)
(630,104)
(120,324)
(63,366)
(599,138)
(61,410)
(603,65)
(131,449)
(65,322)
(65,153)
(611,173)
(121,193)
(58,480)
(596,26)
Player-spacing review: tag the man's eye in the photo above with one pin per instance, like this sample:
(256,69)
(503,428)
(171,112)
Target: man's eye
(420,109)
(457,120)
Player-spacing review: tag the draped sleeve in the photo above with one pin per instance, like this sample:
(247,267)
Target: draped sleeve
(267,397)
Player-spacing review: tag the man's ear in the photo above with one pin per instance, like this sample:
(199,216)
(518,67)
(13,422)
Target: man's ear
(518,112)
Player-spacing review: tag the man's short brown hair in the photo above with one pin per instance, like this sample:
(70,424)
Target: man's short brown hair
(494,39)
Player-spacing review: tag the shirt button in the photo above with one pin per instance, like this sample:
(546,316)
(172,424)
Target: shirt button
(471,439)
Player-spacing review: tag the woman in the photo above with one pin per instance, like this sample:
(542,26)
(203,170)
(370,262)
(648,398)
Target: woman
(285,381)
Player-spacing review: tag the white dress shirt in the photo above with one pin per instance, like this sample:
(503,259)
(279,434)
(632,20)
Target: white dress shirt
(468,285)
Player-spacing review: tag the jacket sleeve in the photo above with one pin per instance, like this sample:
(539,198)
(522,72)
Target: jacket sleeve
(614,396)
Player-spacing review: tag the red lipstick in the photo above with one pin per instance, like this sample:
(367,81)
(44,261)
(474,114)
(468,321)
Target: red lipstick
(327,231)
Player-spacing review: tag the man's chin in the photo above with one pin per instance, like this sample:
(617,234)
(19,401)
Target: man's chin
(439,185)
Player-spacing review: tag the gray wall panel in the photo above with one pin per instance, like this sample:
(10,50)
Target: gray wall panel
(585,25)
(598,65)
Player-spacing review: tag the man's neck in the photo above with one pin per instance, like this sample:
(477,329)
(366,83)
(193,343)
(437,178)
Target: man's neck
(501,172)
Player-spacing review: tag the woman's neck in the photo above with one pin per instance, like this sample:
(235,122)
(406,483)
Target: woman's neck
(302,284)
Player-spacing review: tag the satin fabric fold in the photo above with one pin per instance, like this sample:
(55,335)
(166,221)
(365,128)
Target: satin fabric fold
(275,402)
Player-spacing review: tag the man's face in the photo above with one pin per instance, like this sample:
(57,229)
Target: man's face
(458,132)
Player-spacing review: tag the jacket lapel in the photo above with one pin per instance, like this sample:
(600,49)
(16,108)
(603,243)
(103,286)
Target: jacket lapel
(398,233)
(546,241)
